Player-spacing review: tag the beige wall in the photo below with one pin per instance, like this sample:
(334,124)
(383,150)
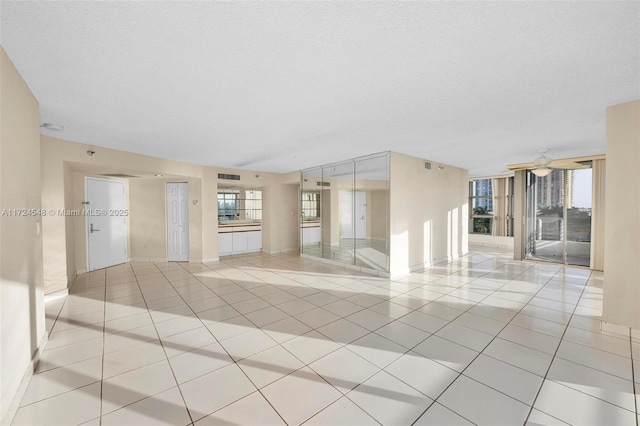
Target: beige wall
(429,214)
(481,240)
(70,221)
(378,214)
(622,217)
(59,251)
(65,165)
(147,219)
(280,213)
(22,322)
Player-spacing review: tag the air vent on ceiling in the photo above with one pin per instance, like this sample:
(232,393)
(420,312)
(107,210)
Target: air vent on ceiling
(427,165)
(119,175)
(228,176)
(323,183)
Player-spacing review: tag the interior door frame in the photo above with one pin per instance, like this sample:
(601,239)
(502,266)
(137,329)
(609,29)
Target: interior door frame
(86,207)
(168,236)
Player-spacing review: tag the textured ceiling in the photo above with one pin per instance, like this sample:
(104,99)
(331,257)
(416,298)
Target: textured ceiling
(280,86)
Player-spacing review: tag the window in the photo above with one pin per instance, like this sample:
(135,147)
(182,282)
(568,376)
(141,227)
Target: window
(491,202)
(481,202)
(228,205)
(240,204)
(253,204)
(310,205)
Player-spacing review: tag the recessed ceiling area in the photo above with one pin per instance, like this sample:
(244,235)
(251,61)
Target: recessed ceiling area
(120,172)
(281,86)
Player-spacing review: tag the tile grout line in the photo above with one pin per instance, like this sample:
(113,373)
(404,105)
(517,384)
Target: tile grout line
(556,351)
(227,352)
(258,389)
(461,373)
(392,319)
(633,377)
(160,339)
(305,364)
(104,326)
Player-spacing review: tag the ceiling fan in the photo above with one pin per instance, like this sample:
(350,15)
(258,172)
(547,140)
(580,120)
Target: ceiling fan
(543,165)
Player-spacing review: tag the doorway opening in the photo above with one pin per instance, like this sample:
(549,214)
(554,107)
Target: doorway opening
(558,216)
(105,213)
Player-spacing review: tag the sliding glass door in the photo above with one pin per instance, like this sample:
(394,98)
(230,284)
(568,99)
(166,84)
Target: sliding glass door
(558,216)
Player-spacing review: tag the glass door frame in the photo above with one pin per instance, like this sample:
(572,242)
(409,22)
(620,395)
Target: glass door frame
(530,223)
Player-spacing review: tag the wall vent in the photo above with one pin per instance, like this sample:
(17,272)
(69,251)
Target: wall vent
(323,183)
(427,165)
(228,176)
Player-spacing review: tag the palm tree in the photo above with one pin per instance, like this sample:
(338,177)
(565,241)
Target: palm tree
(481,225)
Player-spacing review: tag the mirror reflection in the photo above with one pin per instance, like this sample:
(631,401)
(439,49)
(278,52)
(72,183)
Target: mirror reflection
(345,212)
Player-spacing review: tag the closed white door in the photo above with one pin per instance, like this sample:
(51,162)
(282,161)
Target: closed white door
(353,214)
(106,223)
(177,222)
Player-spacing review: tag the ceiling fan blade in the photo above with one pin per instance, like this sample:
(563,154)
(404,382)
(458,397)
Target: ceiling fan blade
(568,165)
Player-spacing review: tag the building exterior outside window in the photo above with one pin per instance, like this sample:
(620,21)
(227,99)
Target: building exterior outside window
(491,206)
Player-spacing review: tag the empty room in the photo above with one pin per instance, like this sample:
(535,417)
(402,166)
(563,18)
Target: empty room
(319,213)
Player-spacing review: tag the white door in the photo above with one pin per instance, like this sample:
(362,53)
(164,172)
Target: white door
(353,214)
(177,222)
(105,220)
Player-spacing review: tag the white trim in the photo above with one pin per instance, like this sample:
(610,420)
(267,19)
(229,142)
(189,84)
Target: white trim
(506,175)
(285,250)
(56,295)
(70,282)
(618,329)
(210,259)
(148,259)
(24,383)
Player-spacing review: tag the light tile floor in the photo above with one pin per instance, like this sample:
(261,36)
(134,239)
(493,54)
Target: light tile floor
(266,340)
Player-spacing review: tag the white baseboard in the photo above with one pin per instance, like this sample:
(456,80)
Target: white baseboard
(619,329)
(210,259)
(285,250)
(56,295)
(24,383)
(427,265)
(148,259)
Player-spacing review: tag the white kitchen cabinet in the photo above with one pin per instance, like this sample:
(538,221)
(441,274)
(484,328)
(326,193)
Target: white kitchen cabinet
(310,233)
(314,235)
(254,241)
(225,243)
(240,242)
(241,238)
